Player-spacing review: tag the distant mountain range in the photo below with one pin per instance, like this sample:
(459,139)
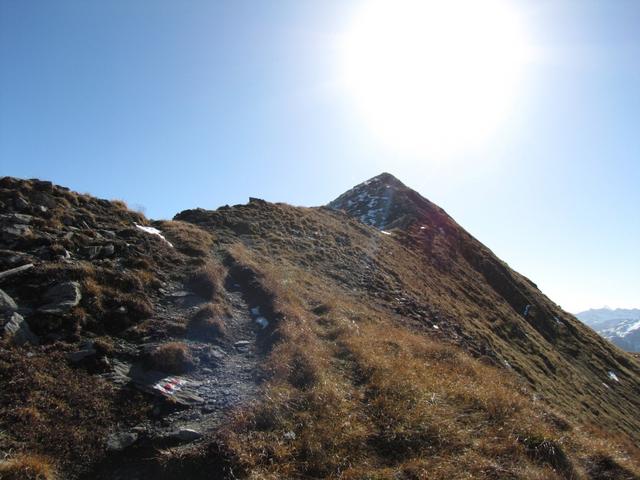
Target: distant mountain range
(620,326)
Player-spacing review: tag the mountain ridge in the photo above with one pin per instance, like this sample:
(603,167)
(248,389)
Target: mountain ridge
(431,355)
(620,326)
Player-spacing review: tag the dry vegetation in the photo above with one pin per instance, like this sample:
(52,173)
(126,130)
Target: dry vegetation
(207,280)
(25,467)
(352,396)
(208,321)
(359,384)
(173,357)
(188,238)
(48,408)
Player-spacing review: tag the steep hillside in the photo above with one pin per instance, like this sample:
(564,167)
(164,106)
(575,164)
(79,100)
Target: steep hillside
(496,312)
(268,341)
(619,326)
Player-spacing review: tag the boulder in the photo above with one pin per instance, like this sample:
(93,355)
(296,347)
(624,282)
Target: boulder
(6,303)
(108,250)
(17,329)
(15,271)
(92,251)
(16,218)
(61,298)
(119,441)
(43,185)
(20,204)
(44,199)
(87,350)
(186,435)
(10,233)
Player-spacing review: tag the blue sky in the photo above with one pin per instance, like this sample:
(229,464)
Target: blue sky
(172,105)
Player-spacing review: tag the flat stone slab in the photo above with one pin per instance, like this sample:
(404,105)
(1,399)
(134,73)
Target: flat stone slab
(178,388)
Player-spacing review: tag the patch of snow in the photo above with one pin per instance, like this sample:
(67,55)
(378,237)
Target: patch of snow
(153,231)
(263,322)
(423,227)
(436,327)
(526,310)
(633,327)
(255,311)
(613,376)
(385,232)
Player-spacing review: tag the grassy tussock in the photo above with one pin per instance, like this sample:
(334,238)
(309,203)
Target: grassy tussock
(208,321)
(27,467)
(207,281)
(188,238)
(172,357)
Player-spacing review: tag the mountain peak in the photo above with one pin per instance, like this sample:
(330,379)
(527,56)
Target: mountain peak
(385,202)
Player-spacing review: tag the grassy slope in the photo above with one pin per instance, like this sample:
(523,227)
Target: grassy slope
(356,346)
(360,383)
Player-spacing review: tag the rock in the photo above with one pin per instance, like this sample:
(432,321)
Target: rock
(7,303)
(186,435)
(20,204)
(242,345)
(87,350)
(17,329)
(16,218)
(92,251)
(43,185)
(11,258)
(61,298)
(15,232)
(108,250)
(15,271)
(119,441)
(290,435)
(44,199)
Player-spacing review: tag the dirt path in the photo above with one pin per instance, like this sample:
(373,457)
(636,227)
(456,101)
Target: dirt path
(226,376)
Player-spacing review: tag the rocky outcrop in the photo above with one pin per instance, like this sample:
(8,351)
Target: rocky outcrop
(13,326)
(61,298)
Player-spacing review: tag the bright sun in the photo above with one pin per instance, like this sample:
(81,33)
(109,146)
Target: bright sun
(434,76)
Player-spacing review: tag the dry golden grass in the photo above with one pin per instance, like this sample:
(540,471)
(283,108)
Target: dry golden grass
(352,396)
(208,321)
(121,204)
(49,408)
(172,357)
(27,467)
(188,238)
(207,281)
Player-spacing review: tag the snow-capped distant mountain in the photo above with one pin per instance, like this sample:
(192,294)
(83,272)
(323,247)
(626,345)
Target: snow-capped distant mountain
(620,326)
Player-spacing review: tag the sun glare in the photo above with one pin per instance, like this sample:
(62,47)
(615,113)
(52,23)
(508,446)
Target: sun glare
(434,76)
